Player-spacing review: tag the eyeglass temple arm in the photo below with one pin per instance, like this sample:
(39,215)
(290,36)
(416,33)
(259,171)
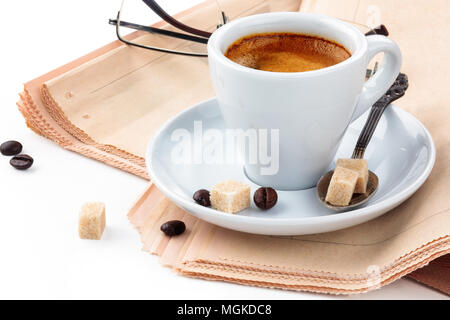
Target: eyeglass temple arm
(381,30)
(166,17)
(163,32)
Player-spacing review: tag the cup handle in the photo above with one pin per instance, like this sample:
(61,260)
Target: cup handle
(383,79)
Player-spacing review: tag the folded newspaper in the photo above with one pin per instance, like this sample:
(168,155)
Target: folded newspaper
(107,104)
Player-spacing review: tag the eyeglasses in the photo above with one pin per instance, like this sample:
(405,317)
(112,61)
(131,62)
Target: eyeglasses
(192,34)
(192,41)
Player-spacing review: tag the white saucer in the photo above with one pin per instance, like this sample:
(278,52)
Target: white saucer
(401,153)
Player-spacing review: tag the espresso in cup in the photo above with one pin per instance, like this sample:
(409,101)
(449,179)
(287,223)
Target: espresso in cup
(286,52)
(295,120)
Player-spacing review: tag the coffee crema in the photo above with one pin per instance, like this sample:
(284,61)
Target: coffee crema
(286,52)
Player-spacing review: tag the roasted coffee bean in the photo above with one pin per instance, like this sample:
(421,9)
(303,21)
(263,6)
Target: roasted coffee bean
(265,198)
(173,228)
(202,198)
(10,148)
(21,162)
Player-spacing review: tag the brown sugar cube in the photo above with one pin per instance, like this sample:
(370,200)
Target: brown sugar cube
(342,187)
(92,221)
(361,166)
(230,196)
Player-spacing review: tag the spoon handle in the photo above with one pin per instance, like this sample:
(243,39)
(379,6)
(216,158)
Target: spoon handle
(396,91)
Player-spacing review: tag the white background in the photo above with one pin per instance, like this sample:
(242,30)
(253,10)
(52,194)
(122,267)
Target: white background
(40,253)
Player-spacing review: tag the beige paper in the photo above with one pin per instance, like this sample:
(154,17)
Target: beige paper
(85,107)
(354,260)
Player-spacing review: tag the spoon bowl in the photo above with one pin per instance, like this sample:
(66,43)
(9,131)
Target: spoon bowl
(357,199)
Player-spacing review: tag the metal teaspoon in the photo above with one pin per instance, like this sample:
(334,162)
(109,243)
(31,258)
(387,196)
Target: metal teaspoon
(396,91)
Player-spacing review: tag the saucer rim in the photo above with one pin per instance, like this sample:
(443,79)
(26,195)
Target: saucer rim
(383,206)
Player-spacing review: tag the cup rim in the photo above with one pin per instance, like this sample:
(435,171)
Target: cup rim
(215,52)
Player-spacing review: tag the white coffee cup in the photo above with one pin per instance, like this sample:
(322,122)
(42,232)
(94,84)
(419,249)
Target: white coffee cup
(311,110)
